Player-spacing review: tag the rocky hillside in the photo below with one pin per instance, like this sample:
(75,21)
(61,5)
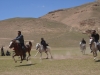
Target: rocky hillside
(84,17)
(32,29)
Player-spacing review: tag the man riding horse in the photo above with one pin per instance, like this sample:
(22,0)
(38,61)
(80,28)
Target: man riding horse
(43,42)
(95,37)
(20,38)
(83,41)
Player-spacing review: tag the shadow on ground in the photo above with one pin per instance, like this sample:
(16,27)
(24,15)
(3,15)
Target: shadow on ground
(97,61)
(25,65)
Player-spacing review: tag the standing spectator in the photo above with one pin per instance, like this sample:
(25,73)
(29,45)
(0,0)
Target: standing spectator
(7,53)
(2,51)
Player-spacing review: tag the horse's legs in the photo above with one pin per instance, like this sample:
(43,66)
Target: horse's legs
(98,46)
(40,55)
(50,54)
(21,58)
(47,55)
(83,51)
(14,58)
(36,54)
(94,54)
(28,55)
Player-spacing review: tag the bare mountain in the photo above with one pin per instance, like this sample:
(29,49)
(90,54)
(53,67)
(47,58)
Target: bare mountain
(60,28)
(83,17)
(32,29)
(55,33)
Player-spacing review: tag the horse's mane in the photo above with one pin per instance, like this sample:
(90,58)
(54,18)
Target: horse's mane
(38,44)
(30,43)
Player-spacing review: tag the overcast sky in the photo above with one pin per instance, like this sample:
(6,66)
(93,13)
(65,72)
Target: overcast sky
(34,8)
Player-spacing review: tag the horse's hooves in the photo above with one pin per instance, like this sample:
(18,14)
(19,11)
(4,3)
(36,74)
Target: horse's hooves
(47,58)
(27,59)
(51,57)
(21,62)
(94,58)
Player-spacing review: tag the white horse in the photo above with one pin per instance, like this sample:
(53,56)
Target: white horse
(93,47)
(40,49)
(82,47)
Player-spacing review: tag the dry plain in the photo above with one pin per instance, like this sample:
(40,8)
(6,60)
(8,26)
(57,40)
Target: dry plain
(66,61)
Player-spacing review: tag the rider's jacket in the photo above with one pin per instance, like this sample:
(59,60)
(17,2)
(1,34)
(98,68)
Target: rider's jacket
(83,42)
(96,37)
(20,38)
(43,43)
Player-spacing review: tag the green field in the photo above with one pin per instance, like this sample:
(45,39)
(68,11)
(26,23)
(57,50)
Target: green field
(66,61)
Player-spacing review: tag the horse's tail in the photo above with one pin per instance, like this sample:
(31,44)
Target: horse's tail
(30,43)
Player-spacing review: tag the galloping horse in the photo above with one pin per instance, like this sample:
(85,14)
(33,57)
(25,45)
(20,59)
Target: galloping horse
(93,47)
(18,50)
(40,49)
(82,47)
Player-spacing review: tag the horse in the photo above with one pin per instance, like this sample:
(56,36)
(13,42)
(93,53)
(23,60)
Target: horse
(93,47)
(18,50)
(40,49)
(82,47)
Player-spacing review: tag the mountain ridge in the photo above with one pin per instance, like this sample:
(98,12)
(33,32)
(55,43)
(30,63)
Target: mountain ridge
(83,17)
(60,28)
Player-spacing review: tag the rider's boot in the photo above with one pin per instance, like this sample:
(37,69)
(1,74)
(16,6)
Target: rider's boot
(45,50)
(24,53)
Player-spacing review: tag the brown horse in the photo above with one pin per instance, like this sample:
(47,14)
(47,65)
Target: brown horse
(18,50)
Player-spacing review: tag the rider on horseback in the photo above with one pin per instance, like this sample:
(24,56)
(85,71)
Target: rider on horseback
(20,38)
(82,44)
(43,42)
(83,41)
(95,36)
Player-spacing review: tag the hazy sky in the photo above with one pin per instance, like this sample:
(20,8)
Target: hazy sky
(34,8)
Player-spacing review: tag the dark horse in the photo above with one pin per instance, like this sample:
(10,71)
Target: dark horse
(18,50)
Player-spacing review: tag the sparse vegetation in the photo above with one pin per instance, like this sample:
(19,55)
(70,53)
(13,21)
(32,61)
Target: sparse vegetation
(66,61)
